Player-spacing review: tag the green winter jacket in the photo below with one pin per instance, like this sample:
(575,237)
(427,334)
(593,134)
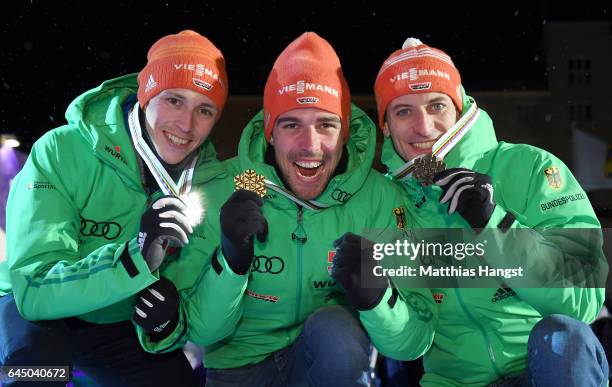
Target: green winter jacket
(74,211)
(481,334)
(290,276)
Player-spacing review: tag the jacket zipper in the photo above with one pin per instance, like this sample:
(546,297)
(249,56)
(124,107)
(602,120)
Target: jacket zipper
(484,333)
(299,237)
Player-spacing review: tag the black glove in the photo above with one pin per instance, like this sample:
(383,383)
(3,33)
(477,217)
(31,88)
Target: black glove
(241,219)
(157,308)
(163,221)
(354,259)
(469,193)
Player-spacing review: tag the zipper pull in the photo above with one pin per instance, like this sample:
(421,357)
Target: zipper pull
(299,229)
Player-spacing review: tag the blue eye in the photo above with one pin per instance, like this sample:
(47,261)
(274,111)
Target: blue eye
(438,106)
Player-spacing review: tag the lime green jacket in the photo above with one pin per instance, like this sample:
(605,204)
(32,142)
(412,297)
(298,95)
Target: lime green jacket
(290,277)
(74,212)
(480,335)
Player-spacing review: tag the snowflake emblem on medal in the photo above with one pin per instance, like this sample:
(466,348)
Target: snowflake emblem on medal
(251,181)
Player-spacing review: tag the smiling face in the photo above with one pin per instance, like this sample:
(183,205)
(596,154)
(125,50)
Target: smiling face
(308,146)
(416,121)
(178,121)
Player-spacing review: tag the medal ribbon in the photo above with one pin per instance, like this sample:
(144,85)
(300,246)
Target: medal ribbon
(165,182)
(446,143)
(310,204)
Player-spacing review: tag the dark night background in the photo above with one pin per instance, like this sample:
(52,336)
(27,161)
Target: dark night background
(53,51)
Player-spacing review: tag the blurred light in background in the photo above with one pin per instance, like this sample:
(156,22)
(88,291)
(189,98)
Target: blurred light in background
(9,140)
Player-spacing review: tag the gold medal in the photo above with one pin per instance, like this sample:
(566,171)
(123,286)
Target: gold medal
(251,181)
(426,167)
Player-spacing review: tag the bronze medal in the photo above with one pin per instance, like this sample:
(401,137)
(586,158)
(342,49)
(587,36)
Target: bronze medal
(426,167)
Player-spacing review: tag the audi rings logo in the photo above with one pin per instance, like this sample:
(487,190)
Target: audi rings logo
(106,230)
(272,265)
(341,196)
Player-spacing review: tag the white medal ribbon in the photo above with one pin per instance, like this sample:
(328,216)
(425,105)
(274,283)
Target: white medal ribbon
(165,182)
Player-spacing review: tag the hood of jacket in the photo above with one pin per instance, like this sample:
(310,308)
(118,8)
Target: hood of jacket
(477,141)
(99,115)
(360,149)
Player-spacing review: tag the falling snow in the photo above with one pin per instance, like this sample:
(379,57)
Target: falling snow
(49,56)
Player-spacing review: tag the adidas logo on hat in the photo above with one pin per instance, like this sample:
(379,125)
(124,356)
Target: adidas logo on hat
(150,84)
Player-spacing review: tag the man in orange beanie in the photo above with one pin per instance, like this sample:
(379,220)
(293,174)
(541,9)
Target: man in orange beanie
(531,328)
(306,162)
(97,210)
